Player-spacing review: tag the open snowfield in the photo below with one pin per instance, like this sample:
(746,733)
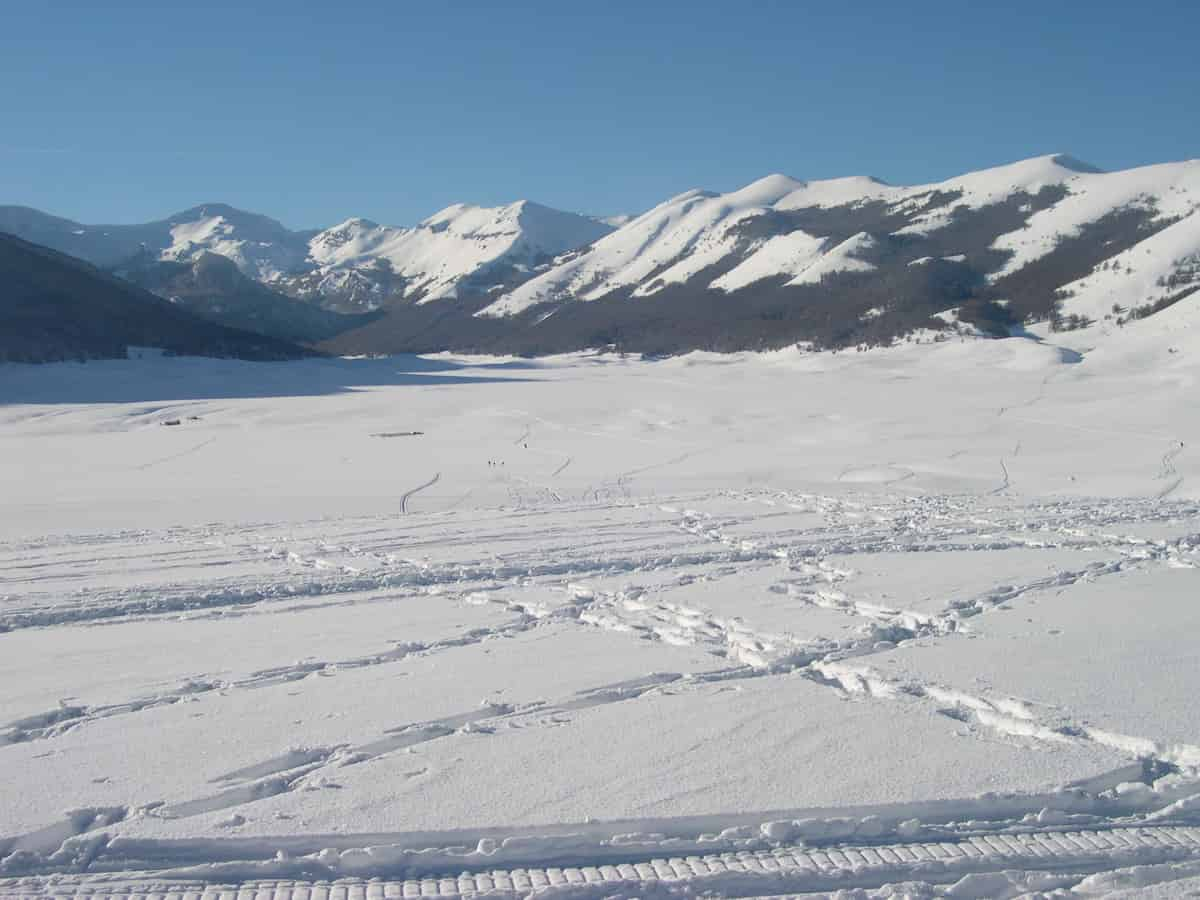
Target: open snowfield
(596,626)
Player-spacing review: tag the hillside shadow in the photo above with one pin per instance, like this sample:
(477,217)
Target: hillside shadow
(1066,354)
(193,378)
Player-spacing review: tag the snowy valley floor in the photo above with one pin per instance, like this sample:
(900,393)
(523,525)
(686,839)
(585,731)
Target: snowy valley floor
(591,626)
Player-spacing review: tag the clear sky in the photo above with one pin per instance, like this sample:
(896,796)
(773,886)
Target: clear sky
(316,111)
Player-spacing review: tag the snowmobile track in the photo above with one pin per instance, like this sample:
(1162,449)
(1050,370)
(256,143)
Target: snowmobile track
(408,495)
(744,873)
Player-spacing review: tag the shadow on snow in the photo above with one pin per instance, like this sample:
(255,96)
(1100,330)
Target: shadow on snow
(195,378)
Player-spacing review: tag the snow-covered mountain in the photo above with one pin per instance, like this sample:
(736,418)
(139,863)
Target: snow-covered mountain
(213,287)
(791,233)
(363,264)
(261,247)
(835,263)
(54,307)
(355,266)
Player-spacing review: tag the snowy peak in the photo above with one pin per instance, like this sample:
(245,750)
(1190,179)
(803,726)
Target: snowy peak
(1028,175)
(765,191)
(354,224)
(362,265)
(347,241)
(693,233)
(834,192)
(239,218)
(554,231)
(259,246)
(549,230)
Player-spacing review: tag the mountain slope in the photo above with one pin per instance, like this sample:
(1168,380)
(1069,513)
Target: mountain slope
(214,288)
(53,307)
(834,263)
(797,232)
(261,247)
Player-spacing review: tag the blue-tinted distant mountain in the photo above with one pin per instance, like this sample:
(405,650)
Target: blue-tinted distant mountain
(55,307)
(355,266)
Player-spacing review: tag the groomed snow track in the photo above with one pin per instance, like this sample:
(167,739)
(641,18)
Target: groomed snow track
(747,873)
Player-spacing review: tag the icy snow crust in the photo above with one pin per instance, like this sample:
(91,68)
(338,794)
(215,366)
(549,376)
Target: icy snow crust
(679,239)
(739,624)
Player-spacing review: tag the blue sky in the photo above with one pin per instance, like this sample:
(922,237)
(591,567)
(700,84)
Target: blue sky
(313,112)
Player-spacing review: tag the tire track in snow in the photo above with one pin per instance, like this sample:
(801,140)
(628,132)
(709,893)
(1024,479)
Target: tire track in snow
(607,872)
(174,456)
(1006,482)
(759,654)
(916,524)
(621,482)
(420,487)
(1037,398)
(1170,472)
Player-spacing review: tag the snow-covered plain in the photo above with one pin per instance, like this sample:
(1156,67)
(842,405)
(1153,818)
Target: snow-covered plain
(624,626)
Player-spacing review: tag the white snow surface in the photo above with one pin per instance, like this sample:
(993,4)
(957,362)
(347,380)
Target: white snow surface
(841,258)
(401,617)
(1140,274)
(784,254)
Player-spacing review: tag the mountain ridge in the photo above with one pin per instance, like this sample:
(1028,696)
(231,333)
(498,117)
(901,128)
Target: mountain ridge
(832,262)
(421,262)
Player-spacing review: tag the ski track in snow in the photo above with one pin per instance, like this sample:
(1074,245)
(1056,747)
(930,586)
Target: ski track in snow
(629,578)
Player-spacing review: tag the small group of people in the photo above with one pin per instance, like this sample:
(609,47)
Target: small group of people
(500,462)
